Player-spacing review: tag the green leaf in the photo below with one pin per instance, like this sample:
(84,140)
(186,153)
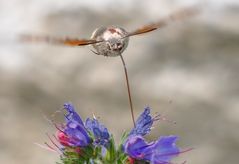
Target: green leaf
(124,137)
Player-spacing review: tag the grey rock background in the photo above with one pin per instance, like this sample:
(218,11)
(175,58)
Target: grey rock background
(187,71)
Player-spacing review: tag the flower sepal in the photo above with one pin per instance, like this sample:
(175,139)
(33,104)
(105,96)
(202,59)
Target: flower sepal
(73,155)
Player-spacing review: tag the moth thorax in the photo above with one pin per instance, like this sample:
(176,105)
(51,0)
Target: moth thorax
(113,40)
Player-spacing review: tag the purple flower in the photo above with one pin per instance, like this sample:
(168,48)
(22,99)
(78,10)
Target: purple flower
(143,123)
(100,132)
(74,132)
(77,134)
(158,152)
(72,115)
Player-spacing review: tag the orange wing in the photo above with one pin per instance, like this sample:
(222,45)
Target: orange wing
(179,15)
(51,40)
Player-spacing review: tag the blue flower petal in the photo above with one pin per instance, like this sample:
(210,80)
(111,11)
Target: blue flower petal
(135,147)
(165,149)
(72,115)
(158,152)
(143,123)
(99,131)
(77,134)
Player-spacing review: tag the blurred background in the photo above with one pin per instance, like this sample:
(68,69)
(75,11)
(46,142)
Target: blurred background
(187,71)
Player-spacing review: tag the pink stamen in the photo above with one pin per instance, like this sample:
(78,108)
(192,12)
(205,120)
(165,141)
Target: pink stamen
(163,118)
(131,160)
(50,147)
(46,147)
(58,128)
(53,142)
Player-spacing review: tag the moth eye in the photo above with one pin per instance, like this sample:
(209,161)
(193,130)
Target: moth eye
(120,48)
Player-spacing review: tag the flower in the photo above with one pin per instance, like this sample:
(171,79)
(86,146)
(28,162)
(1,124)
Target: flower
(144,123)
(91,142)
(158,152)
(74,132)
(72,115)
(100,132)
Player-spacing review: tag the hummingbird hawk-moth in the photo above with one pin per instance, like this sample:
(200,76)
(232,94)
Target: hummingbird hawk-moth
(111,41)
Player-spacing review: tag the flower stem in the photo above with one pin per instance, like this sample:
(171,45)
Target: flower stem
(128,88)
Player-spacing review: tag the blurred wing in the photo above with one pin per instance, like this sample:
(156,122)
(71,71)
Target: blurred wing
(51,40)
(179,15)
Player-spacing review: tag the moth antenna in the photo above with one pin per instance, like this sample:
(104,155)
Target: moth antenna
(95,52)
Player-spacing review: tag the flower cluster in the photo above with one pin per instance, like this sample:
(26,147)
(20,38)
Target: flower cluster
(91,142)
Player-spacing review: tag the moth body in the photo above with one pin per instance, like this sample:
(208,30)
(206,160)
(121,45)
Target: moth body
(114,41)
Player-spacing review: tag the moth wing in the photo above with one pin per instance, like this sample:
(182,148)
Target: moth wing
(178,15)
(60,41)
